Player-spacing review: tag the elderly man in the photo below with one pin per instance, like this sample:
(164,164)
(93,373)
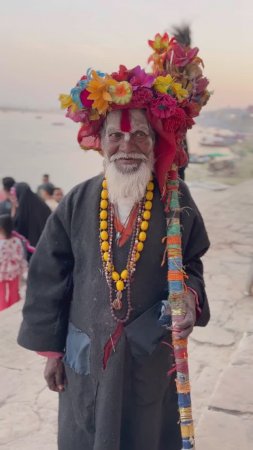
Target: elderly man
(98,286)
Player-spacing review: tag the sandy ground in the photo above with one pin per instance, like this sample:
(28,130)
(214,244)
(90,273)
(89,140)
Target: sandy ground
(221,355)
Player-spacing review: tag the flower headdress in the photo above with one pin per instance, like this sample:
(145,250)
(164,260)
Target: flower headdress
(174,92)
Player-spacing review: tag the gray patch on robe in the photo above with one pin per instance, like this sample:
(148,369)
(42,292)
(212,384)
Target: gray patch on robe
(77,355)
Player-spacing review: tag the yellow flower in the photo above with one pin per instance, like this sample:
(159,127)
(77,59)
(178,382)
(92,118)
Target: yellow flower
(166,85)
(179,91)
(66,101)
(121,93)
(99,92)
(162,84)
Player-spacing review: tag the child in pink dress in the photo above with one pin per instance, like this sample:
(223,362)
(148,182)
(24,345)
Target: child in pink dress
(12,263)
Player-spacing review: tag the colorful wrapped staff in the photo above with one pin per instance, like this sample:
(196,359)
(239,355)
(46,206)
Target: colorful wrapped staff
(176,300)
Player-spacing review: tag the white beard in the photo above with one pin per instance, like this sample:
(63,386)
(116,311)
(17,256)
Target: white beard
(128,188)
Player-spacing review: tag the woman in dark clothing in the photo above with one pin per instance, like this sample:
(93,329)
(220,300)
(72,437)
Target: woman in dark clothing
(30,213)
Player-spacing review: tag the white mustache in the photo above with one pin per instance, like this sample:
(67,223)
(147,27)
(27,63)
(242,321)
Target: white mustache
(123,155)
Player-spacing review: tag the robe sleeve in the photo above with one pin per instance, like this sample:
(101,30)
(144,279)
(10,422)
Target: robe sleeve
(49,291)
(195,244)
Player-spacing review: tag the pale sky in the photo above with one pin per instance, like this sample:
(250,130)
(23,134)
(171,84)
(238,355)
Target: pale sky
(47,45)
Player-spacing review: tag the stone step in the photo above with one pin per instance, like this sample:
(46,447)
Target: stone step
(227,422)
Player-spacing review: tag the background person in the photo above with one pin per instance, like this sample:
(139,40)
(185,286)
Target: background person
(44,180)
(12,263)
(58,194)
(46,192)
(29,213)
(5,205)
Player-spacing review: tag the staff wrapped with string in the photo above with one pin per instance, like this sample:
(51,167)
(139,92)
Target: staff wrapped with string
(182,65)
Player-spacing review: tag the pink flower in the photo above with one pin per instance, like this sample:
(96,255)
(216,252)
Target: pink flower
(201,85)
(139,78)
(181,56)
(77,116)
(84,99)
(163,106)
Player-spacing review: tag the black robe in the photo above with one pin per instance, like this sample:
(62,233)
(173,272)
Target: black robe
(32,213)
(132,403)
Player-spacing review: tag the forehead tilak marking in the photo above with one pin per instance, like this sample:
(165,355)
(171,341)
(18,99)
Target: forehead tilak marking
(125,124)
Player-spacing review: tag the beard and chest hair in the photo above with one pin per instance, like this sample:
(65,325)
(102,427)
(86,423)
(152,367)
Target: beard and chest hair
(127,186)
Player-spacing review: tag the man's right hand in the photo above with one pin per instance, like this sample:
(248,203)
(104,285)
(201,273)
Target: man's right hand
(54,374)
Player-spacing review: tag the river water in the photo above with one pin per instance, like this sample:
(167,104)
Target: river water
(35,143)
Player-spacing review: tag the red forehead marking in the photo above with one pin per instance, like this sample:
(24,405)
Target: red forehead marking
(125,124)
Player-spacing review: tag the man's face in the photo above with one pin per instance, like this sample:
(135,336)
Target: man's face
(127,150)
(45,179)
(58,195)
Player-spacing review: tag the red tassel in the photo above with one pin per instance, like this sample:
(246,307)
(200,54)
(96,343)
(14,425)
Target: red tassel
(111,344)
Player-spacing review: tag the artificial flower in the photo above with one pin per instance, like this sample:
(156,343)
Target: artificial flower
(179,91)
(77,116)
(139,78)
(166,85)
(75,95)
(141,98)
(163,84)
(163,106)
(66,101)
(121,93)
(99,92)
(121,75)
(193,71)
(76,91)
(201,85)
(84,98)
(204,98)
(180,56)
(178,122)
(157,61)
(191,108)
(160,43)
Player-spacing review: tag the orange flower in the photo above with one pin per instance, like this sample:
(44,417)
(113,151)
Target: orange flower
(161,43)
(158,61)
(99,92)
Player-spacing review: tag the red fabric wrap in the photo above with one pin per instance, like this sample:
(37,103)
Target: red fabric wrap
(167,151)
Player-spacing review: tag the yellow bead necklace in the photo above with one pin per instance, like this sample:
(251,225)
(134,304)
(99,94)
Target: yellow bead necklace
(119,281)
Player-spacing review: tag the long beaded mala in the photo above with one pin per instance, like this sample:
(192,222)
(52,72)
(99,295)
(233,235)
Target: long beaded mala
(118,282)
(176,289)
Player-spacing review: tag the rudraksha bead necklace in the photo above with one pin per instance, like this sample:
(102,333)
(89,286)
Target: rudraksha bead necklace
(118,282)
